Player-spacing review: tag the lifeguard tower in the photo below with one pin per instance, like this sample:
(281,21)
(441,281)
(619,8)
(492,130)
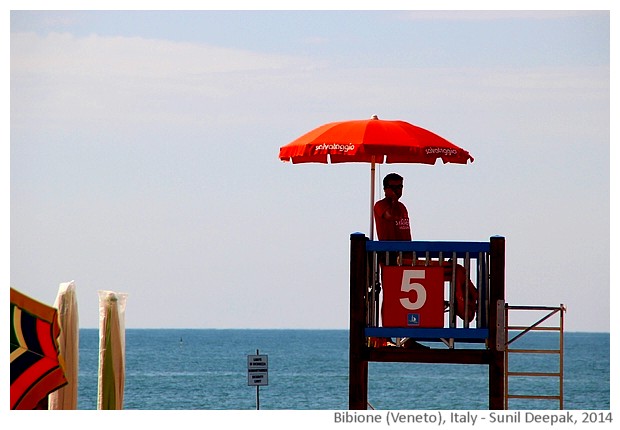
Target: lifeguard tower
(422,291)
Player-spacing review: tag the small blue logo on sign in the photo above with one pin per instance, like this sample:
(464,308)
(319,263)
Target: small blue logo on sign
(413,319)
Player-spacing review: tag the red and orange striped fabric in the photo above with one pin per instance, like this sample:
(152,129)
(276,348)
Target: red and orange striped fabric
(36,365)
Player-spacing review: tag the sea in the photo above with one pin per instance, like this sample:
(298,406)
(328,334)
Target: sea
(207,369)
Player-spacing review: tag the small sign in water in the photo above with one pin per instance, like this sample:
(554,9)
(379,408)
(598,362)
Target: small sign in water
(258,373)
(258,370)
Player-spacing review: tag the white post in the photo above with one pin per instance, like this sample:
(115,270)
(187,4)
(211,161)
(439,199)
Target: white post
(372,197)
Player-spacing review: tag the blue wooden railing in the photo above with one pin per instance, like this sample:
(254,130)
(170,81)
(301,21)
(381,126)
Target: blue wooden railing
(463,252)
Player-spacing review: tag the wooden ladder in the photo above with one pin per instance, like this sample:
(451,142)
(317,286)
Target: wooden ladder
(546,323)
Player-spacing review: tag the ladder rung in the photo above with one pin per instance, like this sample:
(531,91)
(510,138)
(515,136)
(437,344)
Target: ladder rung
(524,327)
(534,308)
(534,374)
(534,351)
(523,396)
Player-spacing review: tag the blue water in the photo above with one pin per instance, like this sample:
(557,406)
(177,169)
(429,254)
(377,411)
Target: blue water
(180,369)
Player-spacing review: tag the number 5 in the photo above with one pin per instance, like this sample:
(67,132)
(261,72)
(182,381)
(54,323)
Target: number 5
(409,284)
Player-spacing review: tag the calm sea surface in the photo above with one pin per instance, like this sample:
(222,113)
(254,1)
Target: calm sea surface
(180,369)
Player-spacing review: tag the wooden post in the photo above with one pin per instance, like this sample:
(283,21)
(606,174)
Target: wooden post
(358,363)
(496,322)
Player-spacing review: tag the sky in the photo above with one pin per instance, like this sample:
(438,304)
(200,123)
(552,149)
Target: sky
(144,155)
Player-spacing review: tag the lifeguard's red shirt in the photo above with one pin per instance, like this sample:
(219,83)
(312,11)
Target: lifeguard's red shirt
(396,228)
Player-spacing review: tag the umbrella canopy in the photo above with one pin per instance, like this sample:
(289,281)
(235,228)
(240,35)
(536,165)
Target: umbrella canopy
(372,141)
(36,364)
(111,375)
(69,341)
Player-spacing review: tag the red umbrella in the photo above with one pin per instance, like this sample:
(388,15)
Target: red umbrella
(36,368)
(372,141)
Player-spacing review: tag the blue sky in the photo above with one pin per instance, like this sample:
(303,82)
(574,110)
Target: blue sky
(143,155)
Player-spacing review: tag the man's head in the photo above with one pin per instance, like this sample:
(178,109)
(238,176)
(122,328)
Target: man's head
(393,186)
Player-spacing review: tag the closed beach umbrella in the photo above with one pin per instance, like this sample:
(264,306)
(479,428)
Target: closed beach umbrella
(36,364)
(372,141)
(66,302)
(111,375)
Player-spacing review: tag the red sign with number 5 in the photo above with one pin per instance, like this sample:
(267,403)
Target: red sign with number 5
(412,296)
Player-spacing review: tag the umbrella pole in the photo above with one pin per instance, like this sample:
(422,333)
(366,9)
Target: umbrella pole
(372,197)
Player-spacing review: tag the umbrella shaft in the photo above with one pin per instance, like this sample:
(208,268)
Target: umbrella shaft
(372,198)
